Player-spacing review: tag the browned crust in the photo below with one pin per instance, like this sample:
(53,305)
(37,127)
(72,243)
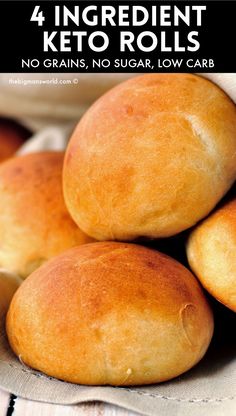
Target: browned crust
(110,313)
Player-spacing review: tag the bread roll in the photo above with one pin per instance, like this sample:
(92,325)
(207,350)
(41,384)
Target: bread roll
(211,252)
(8,285)
(12,136)
(110,313)
(34,222)
(151,157)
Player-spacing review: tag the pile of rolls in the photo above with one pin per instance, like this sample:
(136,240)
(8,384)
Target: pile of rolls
(149,160)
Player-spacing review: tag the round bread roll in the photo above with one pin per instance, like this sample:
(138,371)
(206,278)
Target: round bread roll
(151,157)
(12,136)
(211,251)
(34,222)
(110,313)
(9,282)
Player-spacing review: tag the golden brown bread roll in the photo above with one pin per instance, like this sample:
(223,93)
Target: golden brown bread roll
(211,251)
(12,136)
(151,157)
(34,222)
(110,313)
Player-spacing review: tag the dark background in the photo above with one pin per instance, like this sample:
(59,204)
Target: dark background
(22,39)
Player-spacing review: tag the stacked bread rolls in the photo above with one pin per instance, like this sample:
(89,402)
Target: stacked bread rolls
(149,159)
